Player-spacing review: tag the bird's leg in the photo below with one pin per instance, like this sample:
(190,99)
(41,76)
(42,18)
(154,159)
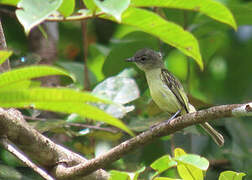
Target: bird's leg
(167,121)
(173,116)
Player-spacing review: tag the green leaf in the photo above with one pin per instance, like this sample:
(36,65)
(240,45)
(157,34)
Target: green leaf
(4,55)
(30,72)
(163,163)
(137,173)
(113,7)
(179,152)
(19,84)
(167,31)
(90,4)
(59,100)
(165,178)
(210,8)
(9,2)
(31,13)
(188,172)
(115,175)
(194,160)
(67,7)
(227,175)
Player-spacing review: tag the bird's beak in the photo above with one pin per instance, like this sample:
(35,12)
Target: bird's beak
(132,59)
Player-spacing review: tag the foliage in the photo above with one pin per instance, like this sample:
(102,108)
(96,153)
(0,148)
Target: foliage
(189,166)
(206,44)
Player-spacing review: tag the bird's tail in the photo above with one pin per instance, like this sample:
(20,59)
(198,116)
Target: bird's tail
(217,137)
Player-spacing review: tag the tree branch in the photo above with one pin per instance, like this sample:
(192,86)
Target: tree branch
(38,147)
(16,152)
(164,128)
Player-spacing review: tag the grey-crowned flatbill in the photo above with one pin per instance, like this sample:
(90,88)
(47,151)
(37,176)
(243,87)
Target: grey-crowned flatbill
(165,89)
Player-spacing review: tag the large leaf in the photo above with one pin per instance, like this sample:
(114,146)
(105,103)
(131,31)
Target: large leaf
(31,13)
(167,31)
(4,55)
(59,100)
(113,7)
(30,72)
(210,8)
(120,89)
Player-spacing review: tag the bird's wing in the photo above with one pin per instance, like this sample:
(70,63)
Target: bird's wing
(175,86)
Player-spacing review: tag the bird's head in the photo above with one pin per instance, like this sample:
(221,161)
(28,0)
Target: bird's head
(147,59)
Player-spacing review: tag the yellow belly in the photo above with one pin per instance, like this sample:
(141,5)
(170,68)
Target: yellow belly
(160,93)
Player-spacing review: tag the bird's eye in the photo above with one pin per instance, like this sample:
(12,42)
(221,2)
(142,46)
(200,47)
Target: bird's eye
(143,58)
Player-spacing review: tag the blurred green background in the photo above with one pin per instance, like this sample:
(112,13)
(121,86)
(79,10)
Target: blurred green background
(226,79)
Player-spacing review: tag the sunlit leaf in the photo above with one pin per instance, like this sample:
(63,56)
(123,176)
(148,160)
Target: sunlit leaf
(194,160)
(210,8)
(120,89)
(67,7)
(90,4)
(30,72)
(163,163)
(115,175)
(31,13)
(4,55)
(188,172)
(179,152)
(168,32)
(165,178)
(227,175)
(9,2)
(113,7)
(58,100)
(19,84)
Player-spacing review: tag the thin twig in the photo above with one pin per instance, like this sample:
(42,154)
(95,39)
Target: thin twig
(78,17)
(93,127)
(20,155)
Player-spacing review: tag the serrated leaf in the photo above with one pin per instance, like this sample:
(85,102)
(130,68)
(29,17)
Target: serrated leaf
(58,100)
(9,2)
(163,163)
(168,32)
(227,175)
(67,7)
(115,175)
(211,8)
(4,55)
(31,13)
(113,7)
(26,73)
(194,160)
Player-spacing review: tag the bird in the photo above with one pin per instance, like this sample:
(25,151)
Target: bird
(166,90)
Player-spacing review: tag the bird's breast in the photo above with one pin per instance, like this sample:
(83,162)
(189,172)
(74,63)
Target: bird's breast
(160,92)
